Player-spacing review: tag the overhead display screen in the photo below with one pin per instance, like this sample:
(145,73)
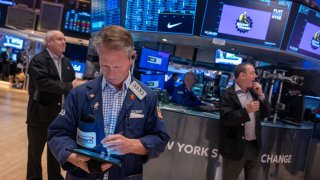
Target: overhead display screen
(154,60)
(305,37)
(227,58)
(14,42)
(104,13)
(259,22)
(164,16)
(77,21)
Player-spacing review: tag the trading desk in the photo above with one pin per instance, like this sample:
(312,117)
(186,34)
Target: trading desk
(192,152)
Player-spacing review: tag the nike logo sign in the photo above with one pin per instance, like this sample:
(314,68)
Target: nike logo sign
(169,26)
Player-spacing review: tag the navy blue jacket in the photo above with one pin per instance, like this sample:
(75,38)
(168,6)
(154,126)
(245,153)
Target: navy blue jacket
(181,95)
(87,99)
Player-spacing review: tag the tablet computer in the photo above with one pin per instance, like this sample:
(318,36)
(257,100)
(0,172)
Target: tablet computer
(96,156)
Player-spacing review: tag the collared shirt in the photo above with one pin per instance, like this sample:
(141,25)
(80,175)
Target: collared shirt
(245,98)
(57,61)
(112,102)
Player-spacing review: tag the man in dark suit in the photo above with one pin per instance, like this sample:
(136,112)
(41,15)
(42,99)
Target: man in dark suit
(51,78)
(6,60)
(243,106)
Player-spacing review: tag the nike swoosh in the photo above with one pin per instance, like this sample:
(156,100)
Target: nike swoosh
(169,26)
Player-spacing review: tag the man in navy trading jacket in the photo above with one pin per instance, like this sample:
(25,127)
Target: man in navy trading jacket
(183,94)
(126,117)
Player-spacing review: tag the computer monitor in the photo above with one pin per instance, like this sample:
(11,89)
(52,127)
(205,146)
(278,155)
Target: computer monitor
(79,68)
(251,22)
(14,58)
(12,41)
(227,58)
(153,80)
(92,70)
(305,36)
(76,52)
(154,60)
(224,80)
(294,108)
(312,103)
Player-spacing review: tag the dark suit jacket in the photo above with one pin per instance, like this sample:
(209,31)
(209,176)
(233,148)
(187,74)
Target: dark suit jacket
(5,58)
(46,88)
(232,119)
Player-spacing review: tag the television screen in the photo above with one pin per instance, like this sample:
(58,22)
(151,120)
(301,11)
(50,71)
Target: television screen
(104,13)
(14,42)
(154,60)
(312,103)
(13,58)
(92,70)
(293,108)
(153,80)
(223,80)
(76,52)
(79,68)
(305,36)
(77,21)
(9,2)
(165,16)
(227,58)
(254,22)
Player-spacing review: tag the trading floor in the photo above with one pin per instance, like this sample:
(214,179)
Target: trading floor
(13,134)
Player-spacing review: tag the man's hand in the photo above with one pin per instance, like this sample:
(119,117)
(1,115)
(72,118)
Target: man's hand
(77,82)
(257,89)
(253,106)
(105,166)
(118,144)
(79,161)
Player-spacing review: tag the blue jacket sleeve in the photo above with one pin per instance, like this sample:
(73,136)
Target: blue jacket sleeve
(62,132)
(156,135)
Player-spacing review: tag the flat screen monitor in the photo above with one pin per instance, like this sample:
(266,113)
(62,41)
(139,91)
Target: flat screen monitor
(312,103)
(154,60)
(104,13)
(92,70)
(12,41)
(77,21)
(223,80)
(227,58)
(294,108)
(153,80)
(8,2)
(76,52)
(305,36)
(167,16)
(79,68)
(248,21)
(13,58)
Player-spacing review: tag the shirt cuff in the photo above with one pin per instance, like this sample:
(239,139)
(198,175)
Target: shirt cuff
(262,98)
